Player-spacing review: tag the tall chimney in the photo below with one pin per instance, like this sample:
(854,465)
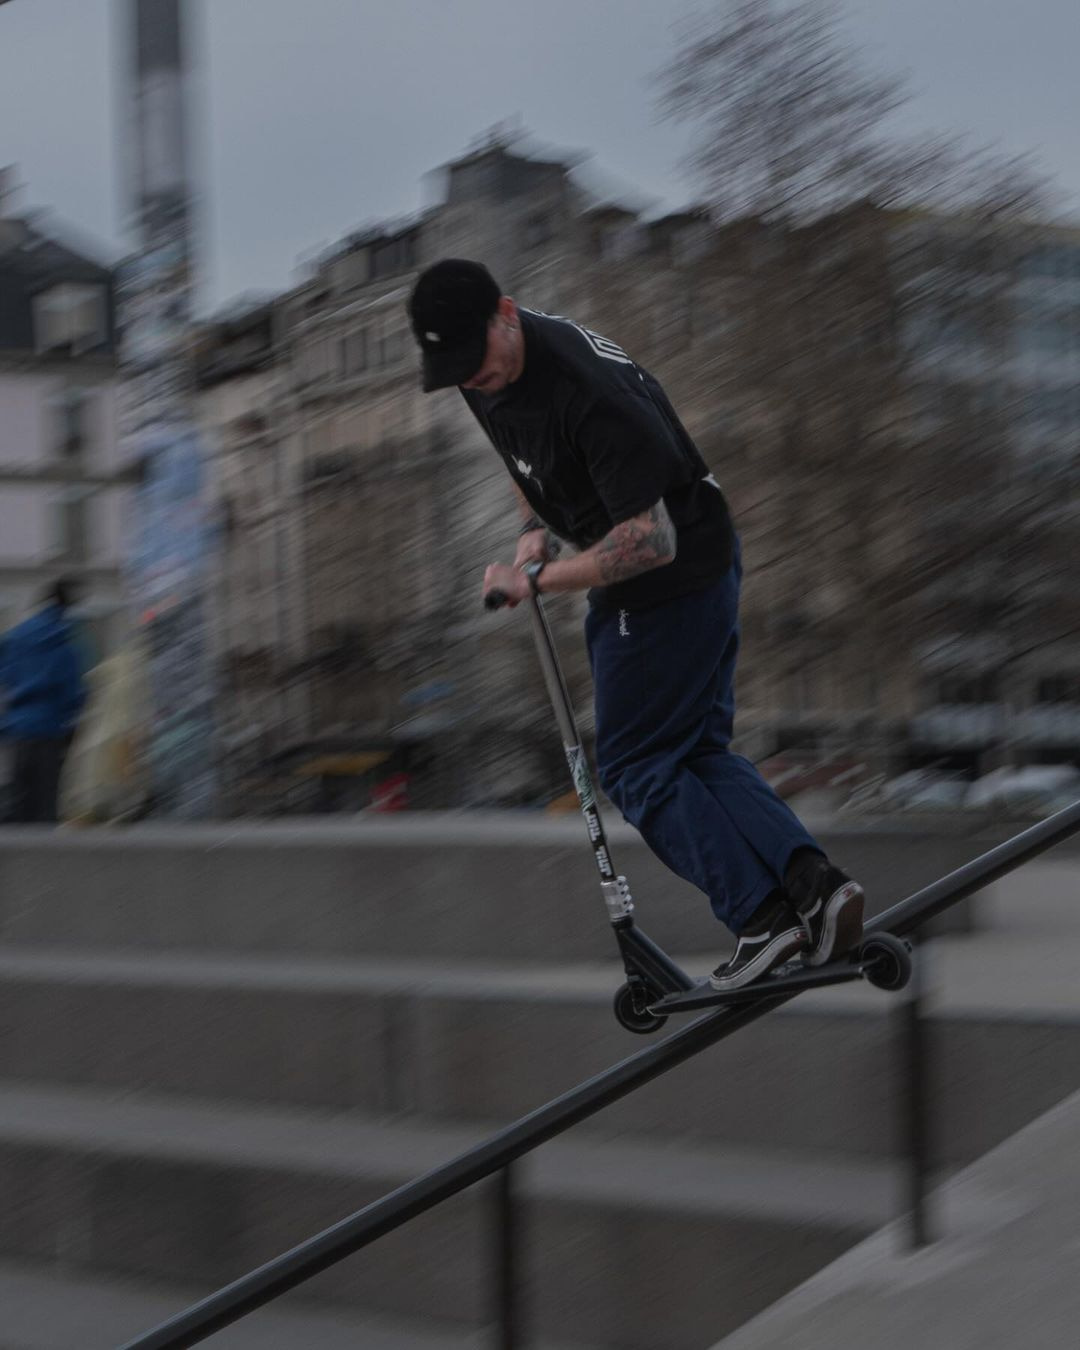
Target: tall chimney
(9,190)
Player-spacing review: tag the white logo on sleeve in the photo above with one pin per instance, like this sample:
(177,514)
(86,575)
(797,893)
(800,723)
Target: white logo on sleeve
(601,346)
(524,469)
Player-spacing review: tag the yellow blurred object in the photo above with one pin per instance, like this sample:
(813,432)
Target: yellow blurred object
(342,766)
(105,775)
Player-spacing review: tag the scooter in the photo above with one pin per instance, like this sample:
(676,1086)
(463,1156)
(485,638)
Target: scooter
(655,985)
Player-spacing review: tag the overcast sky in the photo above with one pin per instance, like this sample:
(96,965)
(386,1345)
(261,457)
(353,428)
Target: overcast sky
(315,116)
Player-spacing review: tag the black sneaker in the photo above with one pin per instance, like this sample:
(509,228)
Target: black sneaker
(830,904)
(771,941)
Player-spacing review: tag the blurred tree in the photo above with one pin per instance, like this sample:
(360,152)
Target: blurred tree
(856,322)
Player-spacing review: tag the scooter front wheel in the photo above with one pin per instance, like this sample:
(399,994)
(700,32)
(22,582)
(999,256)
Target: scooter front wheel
(642,1021)
(886,961)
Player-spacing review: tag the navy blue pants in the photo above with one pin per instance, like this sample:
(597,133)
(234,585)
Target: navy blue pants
(665,707)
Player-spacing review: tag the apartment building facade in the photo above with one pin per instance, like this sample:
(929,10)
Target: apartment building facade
(62,489)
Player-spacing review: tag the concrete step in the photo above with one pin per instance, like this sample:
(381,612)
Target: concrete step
(504,887)
(49,1308)
(999,1272)
(420,1039)
(648,1247)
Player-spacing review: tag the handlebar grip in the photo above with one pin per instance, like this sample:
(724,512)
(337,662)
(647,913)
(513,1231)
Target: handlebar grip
(495,599)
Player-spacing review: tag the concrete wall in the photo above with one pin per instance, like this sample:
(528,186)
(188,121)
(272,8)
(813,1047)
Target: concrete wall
(492,887)
(407,1044)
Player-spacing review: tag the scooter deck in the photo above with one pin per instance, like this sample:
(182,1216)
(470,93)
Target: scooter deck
(787,979)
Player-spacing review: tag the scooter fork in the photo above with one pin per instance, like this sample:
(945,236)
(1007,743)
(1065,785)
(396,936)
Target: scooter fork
(650,972)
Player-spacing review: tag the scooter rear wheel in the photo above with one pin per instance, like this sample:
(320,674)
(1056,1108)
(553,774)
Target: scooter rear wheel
(643,1022)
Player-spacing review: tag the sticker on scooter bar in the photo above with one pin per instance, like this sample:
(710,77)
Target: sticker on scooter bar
(579,769)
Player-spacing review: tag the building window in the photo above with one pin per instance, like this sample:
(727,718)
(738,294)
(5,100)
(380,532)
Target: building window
(690,245)
(393,255)
(476,179)
(391,348)
(621,242)
(1046,335)
(1050,410)
(968,689)
(315,361)
(317,440)
(69,423)
(70,317)
(356,352)
(1059,262)
(70,535)
(1058,689)
(803,690)
(537,231)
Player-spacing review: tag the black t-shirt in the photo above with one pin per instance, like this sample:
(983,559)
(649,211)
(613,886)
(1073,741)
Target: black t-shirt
(591,440)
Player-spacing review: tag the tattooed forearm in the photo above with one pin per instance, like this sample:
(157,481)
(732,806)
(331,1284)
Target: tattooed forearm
(636,545)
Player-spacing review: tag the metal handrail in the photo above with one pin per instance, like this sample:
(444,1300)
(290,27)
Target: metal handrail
(332,1245)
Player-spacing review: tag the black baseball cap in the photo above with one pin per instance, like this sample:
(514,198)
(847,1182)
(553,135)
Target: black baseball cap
(450,308)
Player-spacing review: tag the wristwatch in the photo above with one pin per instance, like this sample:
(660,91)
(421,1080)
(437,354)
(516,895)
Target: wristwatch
(532,571)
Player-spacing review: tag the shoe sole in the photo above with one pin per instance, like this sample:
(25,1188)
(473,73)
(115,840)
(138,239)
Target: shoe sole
(780,949)
(843,926)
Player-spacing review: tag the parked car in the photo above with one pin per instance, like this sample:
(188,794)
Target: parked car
(1035,789)
(924,790)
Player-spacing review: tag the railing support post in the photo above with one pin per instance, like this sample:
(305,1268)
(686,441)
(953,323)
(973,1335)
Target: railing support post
(505,1262)
(916,1101)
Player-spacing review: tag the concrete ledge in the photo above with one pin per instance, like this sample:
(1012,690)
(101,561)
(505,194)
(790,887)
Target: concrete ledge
(510,886)
(493,1043)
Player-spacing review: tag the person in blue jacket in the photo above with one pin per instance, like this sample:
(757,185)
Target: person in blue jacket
(42,693)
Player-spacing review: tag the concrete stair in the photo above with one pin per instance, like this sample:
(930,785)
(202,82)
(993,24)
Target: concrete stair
(56,1311)
(474,1041)
(138,1186)
(208,1054)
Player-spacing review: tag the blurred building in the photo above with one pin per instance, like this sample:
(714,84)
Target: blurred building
(361,513)
(999,666)
(62,493)
(388,506)
(257,601)
(910,593)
